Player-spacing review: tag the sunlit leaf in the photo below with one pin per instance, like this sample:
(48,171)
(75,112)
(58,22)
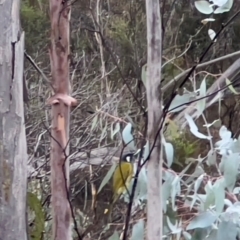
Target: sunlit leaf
(230,86)
(206,20)
(201,104)
(211,158)
(227,230)
(226,142)
(203,7)
(224,8)
(107,177)
(187,235)
(212,34)
(203,220)
(219,2)
(210,196)
(197,184)
(169,153)
(138,230)
(141,189)
(216,123)
(175,190)
(127,136)
(166,189)
(219,193)
(230,170)
(179,102)
(174,228)
(194,128)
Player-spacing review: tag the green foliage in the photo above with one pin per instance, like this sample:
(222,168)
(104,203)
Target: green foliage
(35,23)
(119,32)
(184,146)
(39,219)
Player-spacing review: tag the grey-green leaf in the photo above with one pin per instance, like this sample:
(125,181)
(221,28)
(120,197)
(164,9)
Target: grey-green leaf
(230,170)
(169,153)
(107,177)
(128,137)
(201,104)
(203,6)
(219,192)
(203,220)
(227,230)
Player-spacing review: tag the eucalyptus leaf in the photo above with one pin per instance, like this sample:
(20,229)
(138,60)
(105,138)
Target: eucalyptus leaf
(230,86)
(187,235)
(227,230)
(224,8)
(142,181)
(203,220)
(212,34)
(166,193)
(219,193)
(127,136)
(230,170)
(175,190)
(201,104)
(138,230)
(169,153)
(210,199)
(194,128)
(179,102)
(219,2)
(107,177)
(174,228)
(206,20)
(203,7)
(211,158)
(196,187)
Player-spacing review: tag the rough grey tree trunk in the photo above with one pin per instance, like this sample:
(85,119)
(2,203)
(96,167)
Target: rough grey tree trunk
(154,100)
(13,149)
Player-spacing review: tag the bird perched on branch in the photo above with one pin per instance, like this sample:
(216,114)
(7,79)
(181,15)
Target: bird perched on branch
(122,177)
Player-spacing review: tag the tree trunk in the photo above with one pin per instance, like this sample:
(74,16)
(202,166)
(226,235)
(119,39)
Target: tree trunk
(13,148)
(61,102)
(154,99)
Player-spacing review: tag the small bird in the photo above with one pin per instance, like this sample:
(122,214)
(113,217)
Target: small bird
(122,177)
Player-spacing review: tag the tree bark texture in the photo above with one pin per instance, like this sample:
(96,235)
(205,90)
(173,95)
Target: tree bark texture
(154,98)
(13,148)
(61,102)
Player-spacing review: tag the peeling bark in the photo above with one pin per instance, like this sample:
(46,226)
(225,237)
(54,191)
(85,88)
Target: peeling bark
(13,148)
(154,100)
(61,102)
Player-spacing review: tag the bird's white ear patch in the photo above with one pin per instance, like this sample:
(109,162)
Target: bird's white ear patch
(128,159)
